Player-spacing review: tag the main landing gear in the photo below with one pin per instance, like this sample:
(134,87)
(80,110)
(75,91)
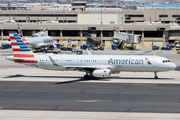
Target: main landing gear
(87,76)
(155,75)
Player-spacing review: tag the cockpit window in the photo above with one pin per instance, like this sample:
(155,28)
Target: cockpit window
(166,61)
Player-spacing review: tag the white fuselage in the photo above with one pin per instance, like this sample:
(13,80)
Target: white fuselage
(39,42)
(134,63)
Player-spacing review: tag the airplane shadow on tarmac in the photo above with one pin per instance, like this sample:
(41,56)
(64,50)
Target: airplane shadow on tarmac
(177,68)
(80,79)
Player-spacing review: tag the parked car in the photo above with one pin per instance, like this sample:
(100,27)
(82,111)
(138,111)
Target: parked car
(86,46)
(168,47)
(94,47)
(101,48)
(172,44)
(5,46)
(79,52)
(155,47)
(114,47)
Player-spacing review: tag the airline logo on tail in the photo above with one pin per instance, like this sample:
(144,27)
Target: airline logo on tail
(21,52)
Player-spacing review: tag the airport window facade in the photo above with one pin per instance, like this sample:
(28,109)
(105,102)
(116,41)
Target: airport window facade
(5,32)
(98,33)
(138,32)
(134,15)
(163,15)
(44,15)
(73,33)
(157,34)
(175,15)
(71,21)
(36,31)
(174,33)
(129,21)
(54,32)
(128,17)
(85,33)
(20,20)
(108,33)
(166,21)
(27,32)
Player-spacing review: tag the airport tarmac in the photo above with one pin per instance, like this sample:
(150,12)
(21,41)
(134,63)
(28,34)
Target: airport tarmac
(27,91)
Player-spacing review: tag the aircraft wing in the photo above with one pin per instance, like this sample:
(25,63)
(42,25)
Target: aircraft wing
(85,68)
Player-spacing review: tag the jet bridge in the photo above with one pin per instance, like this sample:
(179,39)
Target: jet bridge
(120,38)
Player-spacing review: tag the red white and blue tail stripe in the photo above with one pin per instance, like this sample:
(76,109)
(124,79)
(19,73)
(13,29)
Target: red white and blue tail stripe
(21,52)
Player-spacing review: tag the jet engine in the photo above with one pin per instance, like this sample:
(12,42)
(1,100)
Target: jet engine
(102,73)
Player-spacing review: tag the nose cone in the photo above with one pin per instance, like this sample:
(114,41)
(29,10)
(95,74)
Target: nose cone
(172,66)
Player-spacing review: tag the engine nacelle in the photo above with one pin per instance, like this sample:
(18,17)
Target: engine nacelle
(102,73)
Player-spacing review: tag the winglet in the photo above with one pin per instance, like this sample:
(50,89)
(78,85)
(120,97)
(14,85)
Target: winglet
(89,53)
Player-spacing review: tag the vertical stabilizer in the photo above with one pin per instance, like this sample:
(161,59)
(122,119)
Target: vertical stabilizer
(21,52)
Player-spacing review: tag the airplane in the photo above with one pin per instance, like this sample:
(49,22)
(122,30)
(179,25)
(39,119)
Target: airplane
(7,21)
(38,42)
(93,65)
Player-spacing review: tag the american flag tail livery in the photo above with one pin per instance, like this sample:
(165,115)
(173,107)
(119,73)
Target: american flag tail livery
(19,31)
(22,54)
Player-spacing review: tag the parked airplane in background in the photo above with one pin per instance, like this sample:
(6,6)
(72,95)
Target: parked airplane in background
(93,65)
(38,42)
(7,21)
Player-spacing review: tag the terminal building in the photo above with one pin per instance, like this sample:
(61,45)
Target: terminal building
(80,24)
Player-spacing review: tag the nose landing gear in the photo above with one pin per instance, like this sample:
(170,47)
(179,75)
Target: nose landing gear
(155,75)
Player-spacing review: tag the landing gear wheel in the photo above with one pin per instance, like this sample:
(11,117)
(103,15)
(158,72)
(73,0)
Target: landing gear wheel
(86,77)
(155,75)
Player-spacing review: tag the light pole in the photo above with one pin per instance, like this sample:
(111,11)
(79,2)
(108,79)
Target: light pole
(163,14)
(101,12)
(177,14)
(9,10)
(9,13)
(41,11)
(63,12)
